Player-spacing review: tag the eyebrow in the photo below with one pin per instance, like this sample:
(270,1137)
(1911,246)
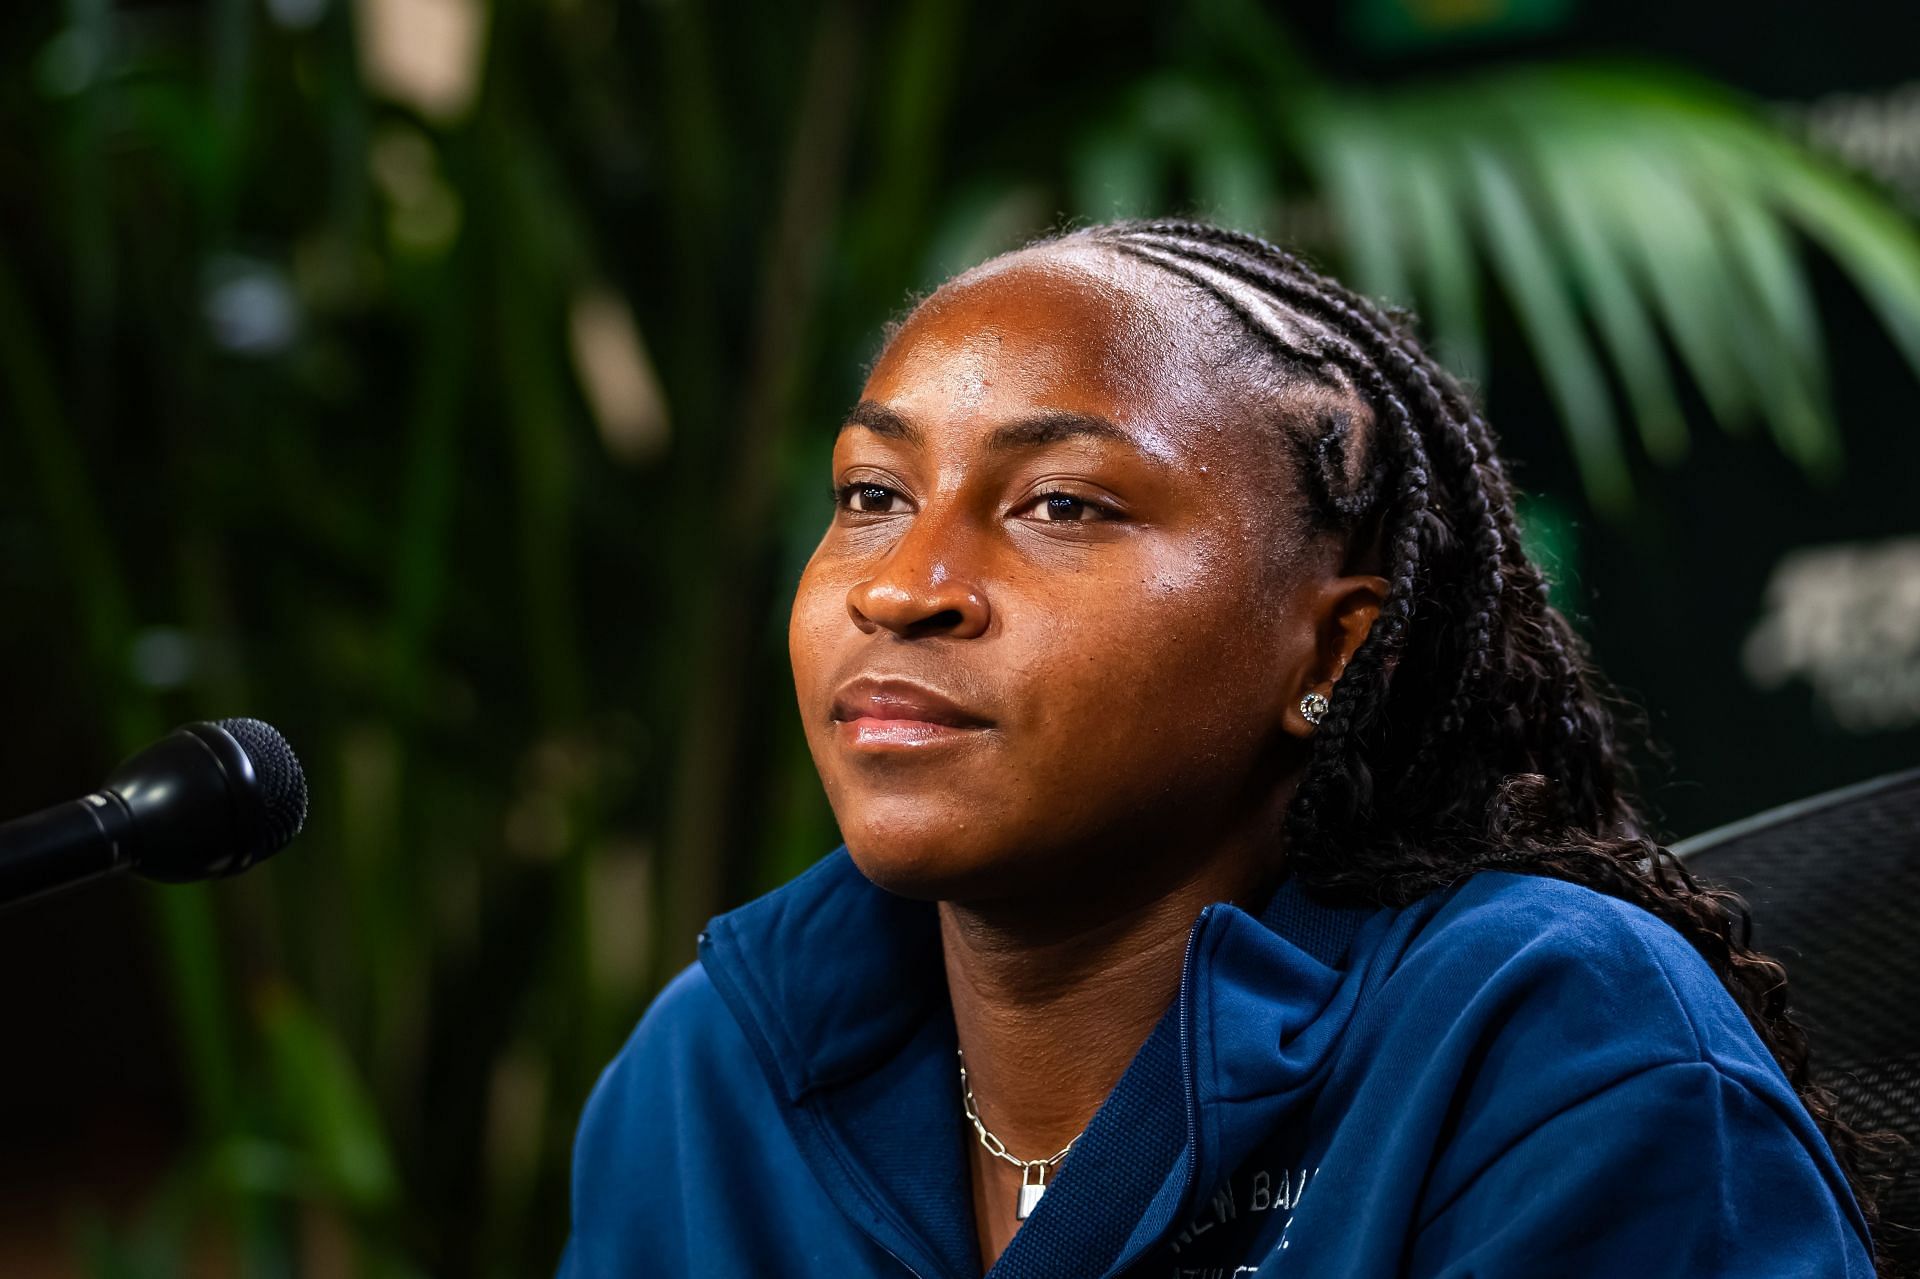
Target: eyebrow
(1034,431)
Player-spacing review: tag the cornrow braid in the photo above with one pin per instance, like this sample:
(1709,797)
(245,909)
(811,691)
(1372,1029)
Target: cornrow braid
(1513,763)
(1383,341)
(1338,787)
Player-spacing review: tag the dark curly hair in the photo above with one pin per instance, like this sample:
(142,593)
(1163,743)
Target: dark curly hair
(1471,730)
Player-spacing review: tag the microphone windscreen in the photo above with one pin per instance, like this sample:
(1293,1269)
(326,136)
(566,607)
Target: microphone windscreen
(283,786)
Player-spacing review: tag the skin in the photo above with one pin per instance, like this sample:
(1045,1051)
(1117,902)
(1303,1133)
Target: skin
(1057,513)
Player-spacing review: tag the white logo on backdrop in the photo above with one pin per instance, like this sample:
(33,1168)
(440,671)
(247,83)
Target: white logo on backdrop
(1847,620)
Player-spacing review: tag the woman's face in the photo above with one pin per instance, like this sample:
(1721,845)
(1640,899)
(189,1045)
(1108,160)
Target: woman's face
(1063,614)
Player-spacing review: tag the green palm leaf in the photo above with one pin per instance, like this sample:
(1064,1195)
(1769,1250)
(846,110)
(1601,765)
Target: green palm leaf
(1623,211)
(1643,225)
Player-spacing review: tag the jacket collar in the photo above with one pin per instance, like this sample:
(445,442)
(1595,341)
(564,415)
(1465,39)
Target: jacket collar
(840,989)
(831,972)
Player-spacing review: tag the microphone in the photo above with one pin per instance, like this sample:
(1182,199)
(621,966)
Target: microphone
(204,801)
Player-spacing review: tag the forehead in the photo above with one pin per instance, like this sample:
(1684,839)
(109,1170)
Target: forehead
(1076,327)
(1075,330)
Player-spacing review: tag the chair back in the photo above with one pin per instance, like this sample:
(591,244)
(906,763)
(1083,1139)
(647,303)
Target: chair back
(1833,883)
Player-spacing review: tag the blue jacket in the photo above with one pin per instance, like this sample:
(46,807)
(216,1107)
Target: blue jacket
(1514,1077)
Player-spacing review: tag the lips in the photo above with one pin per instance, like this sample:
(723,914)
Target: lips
(892,699)
(899,713)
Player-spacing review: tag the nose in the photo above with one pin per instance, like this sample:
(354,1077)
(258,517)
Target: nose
(923,587)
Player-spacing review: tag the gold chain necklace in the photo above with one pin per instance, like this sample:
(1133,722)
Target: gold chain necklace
(1033,1172)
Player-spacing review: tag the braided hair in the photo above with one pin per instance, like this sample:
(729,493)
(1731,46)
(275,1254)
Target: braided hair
(1470,731)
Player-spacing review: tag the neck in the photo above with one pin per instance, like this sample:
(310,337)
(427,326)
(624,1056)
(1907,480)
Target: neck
(1050,1012)
(1053,995)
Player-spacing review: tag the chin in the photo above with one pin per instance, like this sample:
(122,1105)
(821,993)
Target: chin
(920,859)
(908,868)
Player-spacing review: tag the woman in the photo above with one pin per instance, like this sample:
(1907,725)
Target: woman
(1240,876)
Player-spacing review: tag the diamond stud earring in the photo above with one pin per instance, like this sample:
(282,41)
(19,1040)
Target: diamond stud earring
(1313,706)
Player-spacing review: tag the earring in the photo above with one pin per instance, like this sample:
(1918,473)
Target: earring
(1313,706)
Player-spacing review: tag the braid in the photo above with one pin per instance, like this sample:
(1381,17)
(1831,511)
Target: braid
(1470,730)
(1384,341)
(1338,786)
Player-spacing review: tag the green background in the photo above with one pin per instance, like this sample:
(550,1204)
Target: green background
(295,422)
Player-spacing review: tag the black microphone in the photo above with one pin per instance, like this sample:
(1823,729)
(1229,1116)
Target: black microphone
(204,801)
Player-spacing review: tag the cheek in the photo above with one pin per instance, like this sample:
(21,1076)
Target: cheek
(817,619)
(1170,668)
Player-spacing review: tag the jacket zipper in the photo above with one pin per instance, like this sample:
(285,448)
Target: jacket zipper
(904,1263)
(885,1247)
(1128,1264)
(1186,1054)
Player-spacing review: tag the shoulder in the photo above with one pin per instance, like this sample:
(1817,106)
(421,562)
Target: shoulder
(668,1083)
(1507,998)
(1515,997)
(1564,962)
(1530,999)
(1563,1026)
(685,1035)
(676,1093)
(687,1013)
(1498,912)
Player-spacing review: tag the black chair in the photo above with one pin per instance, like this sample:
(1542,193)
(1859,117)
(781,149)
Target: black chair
(1833,883)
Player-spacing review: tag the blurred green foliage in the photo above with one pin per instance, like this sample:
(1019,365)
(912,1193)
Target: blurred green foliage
(457,398)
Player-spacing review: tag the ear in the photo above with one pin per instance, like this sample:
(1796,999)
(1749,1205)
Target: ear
(1343,611)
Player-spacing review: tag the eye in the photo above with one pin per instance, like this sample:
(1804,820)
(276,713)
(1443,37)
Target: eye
(1065,508)
(866,498)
